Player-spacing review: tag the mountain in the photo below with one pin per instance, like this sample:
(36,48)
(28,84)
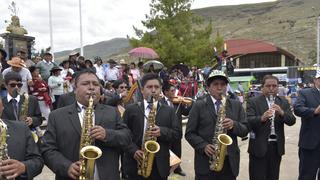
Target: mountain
(289,24)
(104,49)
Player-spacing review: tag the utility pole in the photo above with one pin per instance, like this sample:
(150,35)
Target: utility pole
(51,36)
(80,14)
(318,44)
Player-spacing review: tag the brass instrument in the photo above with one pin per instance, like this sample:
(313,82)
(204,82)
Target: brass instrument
(150,146)
(88,152)
(24,114)
(273,135)
(220,140)
(3,144)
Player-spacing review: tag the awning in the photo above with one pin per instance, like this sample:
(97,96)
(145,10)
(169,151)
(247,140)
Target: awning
(241,78)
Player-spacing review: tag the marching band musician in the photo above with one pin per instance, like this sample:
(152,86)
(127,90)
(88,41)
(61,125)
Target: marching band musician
(180,109)
(266,119)
(13,102)
(25,161)
(202,124)
(166,130)
(61,142)
(307,107)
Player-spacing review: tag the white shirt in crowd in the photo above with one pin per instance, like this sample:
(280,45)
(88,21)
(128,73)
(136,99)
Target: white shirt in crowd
(53,83)
(99,71)
(64,72)
(112,74)
(25,76)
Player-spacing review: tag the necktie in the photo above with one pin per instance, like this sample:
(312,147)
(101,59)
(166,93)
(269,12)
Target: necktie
(15,108)
(218,103)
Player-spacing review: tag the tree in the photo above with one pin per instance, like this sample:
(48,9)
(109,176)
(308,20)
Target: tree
(175,33)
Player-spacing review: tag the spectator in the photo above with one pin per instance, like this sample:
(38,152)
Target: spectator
(45,66)
(55,83)
(99,68)
(111,73)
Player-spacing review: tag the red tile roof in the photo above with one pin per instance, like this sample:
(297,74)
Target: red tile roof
(246,46)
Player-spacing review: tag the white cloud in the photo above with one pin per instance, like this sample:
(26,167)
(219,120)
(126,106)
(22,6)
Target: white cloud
(102,20)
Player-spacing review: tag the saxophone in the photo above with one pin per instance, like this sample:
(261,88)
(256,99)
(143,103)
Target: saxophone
(36,132)
(3,144)
(88,152)
(220,140)
(149,145)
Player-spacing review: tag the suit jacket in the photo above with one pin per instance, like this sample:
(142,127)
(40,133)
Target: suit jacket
(66,99)
(200,131)
(61,142)
(258,143)
(169,129)
(308,100)
(33,110)
(22,147)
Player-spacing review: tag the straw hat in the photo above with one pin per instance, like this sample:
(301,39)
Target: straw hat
(17,62)
(122,61)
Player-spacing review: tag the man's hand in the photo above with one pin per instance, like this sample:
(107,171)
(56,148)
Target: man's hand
(12,168)
(227,123)
(155,132)
(277,109)
(28,121)
(74,170)
(209,150)
(98,132)
(138,156)
(267,115)
(317,110)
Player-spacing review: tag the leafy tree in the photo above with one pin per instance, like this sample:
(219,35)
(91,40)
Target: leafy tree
(175,33)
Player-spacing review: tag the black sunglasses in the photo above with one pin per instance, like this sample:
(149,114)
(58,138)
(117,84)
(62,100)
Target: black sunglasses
(15,84)
(123,87)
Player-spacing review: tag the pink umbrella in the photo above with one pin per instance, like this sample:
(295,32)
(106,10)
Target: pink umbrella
(143,52)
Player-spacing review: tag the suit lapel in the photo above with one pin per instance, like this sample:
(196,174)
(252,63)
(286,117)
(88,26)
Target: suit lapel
(141,109)
(8,108)
(74,118)
(210,106)
(98,114)
(264,104)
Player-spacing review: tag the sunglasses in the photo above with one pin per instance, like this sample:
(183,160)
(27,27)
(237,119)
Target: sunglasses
(15,84)
(123,87)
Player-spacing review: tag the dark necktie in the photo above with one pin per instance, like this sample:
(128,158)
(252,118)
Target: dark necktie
(218,103)
(15,108)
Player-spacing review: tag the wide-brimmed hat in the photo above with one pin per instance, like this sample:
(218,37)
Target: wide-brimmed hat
(317,74)
(122,61)
(4,53)
(111,61)
(16,62)
(216,74)
(74,53)
(54,69)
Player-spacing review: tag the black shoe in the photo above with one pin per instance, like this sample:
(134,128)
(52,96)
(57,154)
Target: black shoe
(180,172)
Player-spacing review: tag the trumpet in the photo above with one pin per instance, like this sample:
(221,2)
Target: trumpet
(273,135)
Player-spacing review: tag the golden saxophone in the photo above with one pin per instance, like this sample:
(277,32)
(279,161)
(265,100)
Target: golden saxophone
(36,132)
(3,144)
(149,145)
(220,140)
(88,152)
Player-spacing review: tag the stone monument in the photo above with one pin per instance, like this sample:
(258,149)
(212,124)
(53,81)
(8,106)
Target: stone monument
(15,38)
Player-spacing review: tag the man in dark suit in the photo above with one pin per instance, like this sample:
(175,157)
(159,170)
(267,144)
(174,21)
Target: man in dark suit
(307,107)
(202,127)
(166,130)
(13,102)
(66,99)
(61,142)
(25,160)
(267,115)
(180,109)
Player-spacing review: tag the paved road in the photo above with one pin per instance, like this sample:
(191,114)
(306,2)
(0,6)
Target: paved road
(289,165)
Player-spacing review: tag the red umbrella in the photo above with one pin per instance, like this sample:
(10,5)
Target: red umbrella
(143,52)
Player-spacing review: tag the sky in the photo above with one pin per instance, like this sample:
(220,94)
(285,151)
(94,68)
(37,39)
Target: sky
(101,19)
